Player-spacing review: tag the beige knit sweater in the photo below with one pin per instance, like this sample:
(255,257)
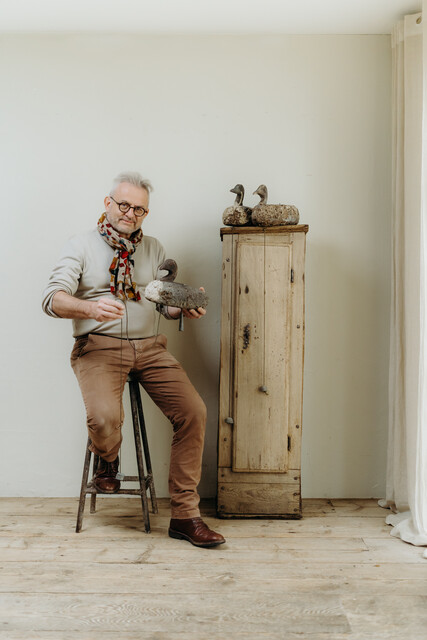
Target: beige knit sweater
(83,271)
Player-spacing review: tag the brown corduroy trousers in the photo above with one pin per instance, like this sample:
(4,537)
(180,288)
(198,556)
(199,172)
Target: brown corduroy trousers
(101,364)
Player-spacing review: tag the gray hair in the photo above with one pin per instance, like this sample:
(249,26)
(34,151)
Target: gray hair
(132,177)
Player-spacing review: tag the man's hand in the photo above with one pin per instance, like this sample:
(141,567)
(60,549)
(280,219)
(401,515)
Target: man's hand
(194,313)
(102,310)
(106,309)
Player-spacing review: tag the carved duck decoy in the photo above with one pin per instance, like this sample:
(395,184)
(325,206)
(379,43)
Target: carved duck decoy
(174,294)
(271,215)
(238,214)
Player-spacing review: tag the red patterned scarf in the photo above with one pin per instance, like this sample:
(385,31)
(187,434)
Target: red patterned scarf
(121,269)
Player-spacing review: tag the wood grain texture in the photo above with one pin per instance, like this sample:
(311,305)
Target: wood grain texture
(291,478)
(336,574)
(112,505)
(296,325)
(251,499)
(262,350)
(297,228)
(125,526)
(260,431)
(153,612)
(225,432)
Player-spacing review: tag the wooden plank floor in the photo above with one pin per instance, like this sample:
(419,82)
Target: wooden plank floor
(336,574)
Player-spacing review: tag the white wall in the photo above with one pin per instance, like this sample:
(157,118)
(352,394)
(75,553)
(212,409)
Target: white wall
(307,115)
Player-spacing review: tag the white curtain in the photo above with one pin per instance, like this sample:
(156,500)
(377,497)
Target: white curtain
(406,493)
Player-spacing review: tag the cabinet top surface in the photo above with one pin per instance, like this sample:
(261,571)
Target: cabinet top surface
(290,228)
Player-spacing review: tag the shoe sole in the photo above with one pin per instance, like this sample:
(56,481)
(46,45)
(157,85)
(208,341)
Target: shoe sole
(181,536)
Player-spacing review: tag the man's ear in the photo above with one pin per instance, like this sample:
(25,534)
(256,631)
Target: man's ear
(107,201)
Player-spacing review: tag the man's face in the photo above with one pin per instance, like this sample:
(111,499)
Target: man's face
(126,223)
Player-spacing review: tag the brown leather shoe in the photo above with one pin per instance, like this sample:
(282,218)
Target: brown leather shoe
(105,476)
(195,531)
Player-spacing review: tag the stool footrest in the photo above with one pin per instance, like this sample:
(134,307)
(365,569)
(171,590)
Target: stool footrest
(147,479)
(133,492)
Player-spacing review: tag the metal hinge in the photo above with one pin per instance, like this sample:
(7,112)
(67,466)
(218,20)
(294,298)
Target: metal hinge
(289,443)
(292,275)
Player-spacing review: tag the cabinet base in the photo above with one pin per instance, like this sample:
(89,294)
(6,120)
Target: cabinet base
(260,500)
(258,516)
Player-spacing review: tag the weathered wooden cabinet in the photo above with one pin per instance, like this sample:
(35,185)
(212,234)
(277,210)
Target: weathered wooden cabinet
(261,375)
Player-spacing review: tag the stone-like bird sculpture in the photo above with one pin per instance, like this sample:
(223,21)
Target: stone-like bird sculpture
(238,214)
(174,294)
(272,215)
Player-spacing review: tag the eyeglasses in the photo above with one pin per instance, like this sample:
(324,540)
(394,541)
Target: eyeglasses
(125,207)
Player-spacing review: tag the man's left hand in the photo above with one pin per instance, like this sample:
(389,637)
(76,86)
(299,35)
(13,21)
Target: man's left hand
(194,313)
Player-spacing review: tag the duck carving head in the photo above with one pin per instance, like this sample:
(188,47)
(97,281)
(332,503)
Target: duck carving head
(262,193)
(240,191)
(172,269)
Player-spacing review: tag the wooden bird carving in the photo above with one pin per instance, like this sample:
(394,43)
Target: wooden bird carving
(238,214)
(271,215)
(174,294)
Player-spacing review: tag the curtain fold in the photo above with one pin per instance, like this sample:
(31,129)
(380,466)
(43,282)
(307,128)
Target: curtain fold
(406,489)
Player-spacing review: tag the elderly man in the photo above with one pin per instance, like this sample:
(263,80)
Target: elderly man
(97,283)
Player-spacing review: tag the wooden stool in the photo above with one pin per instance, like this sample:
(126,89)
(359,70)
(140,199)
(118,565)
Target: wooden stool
(146,482)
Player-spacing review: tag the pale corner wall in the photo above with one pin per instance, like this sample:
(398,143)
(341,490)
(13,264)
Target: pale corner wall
(307,115)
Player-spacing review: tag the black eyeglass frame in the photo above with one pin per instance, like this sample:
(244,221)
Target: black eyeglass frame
(128,207)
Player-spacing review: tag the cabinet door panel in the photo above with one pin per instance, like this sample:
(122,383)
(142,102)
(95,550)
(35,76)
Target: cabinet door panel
(261,339)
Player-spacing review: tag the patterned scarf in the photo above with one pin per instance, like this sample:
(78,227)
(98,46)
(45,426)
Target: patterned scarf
(121,269)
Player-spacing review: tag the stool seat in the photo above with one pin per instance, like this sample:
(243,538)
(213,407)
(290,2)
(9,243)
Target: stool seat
(146,481)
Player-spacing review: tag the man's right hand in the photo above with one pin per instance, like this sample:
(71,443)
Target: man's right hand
(102,310)
(106,309)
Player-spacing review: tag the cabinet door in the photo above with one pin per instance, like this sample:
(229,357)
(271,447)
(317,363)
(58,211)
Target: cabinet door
(262,290)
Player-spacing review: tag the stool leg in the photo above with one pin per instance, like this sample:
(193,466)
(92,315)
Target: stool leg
(146,453)
(93,495)
(134,390)
(83,488)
